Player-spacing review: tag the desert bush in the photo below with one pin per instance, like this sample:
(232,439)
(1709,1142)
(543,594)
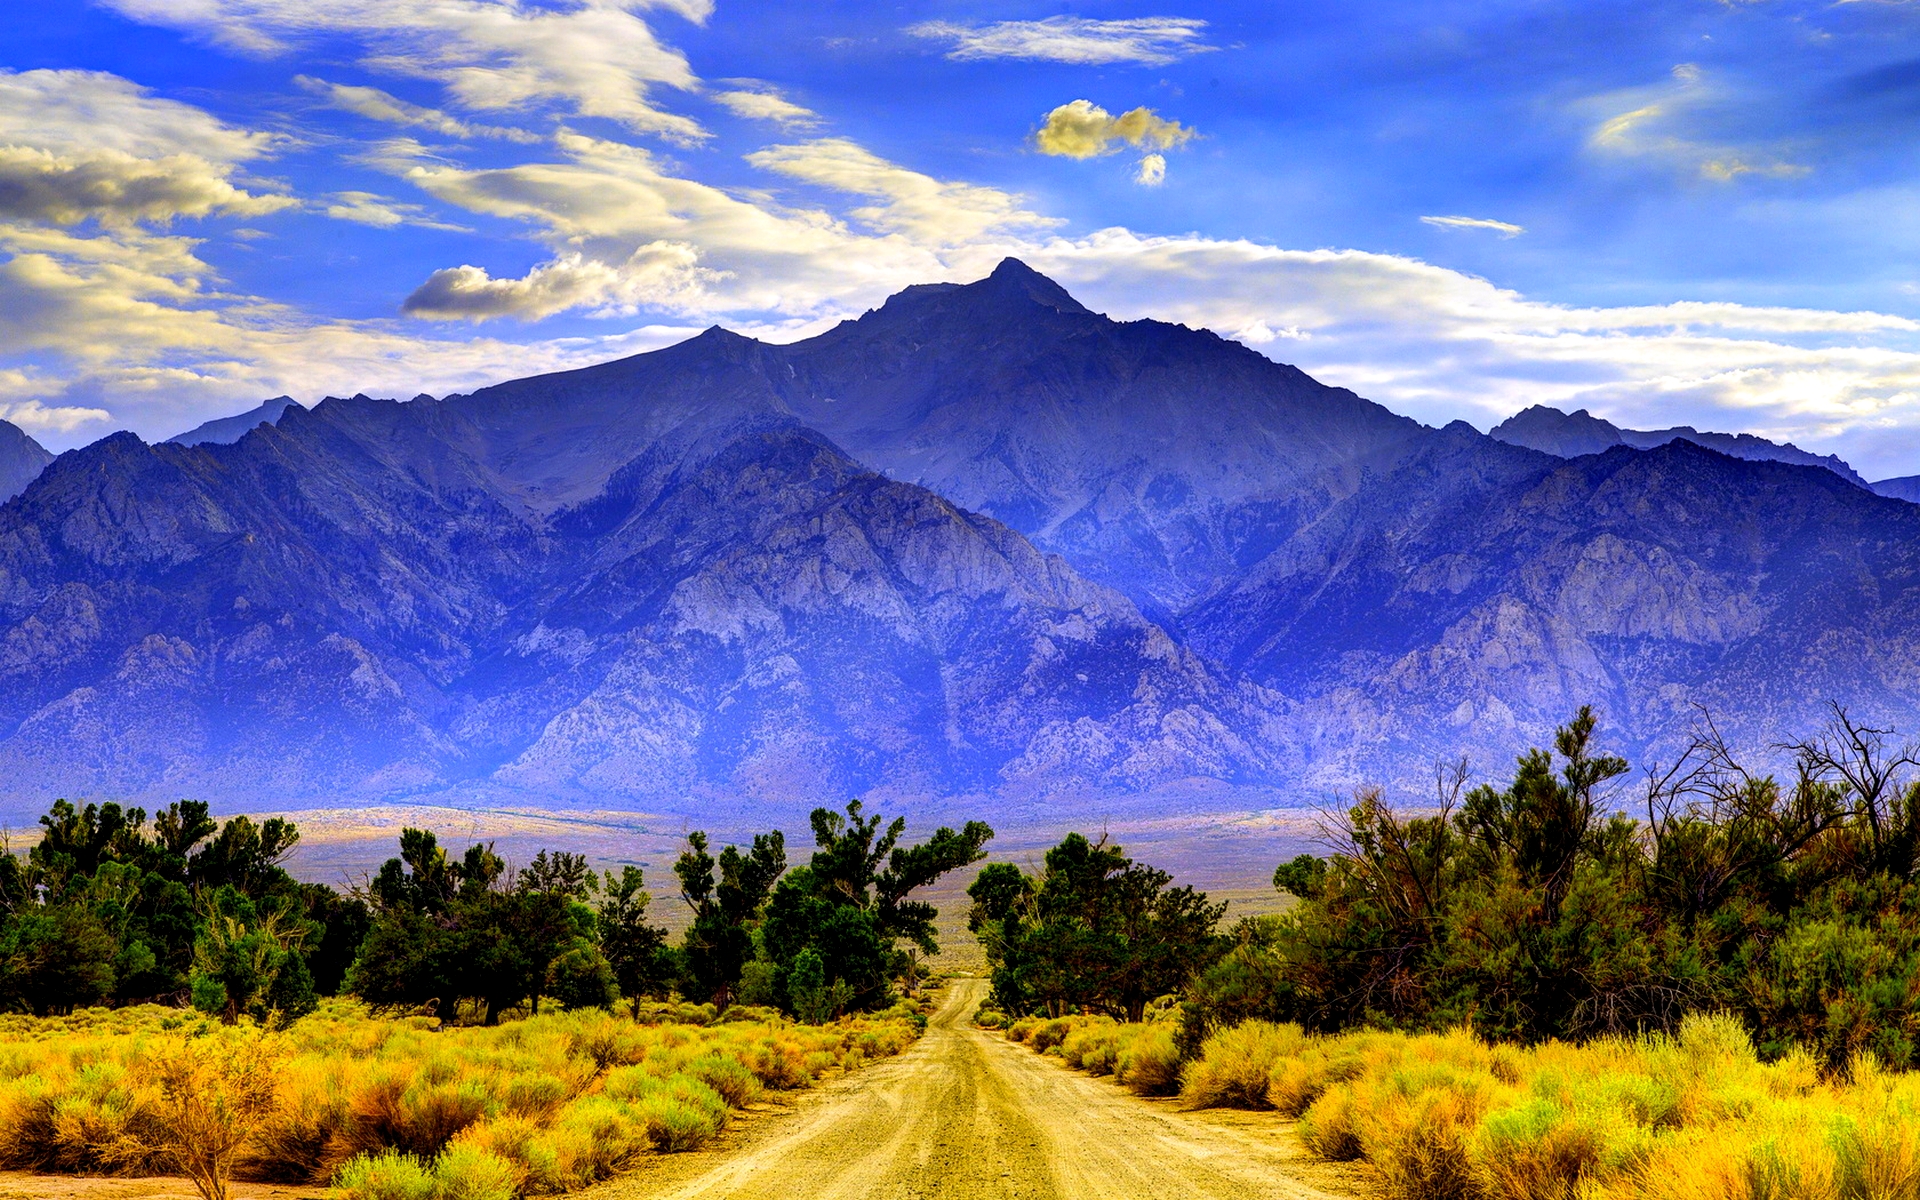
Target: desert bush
(548,1103)
(1235,1065)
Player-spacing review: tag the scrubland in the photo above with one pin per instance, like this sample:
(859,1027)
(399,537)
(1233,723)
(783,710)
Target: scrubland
(398,1108)
(1449,1116)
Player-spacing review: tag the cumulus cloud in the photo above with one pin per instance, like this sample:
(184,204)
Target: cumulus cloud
(663,274)
(763,103)
(1505,229)
(1082,129)
(38,418)
(114,186)
(1149,41)
(931,210)
(1151,171)
(376,105)
(596,58)
(1670,123)
(76,145)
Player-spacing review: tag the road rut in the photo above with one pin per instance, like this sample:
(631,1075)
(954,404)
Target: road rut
(966,1114)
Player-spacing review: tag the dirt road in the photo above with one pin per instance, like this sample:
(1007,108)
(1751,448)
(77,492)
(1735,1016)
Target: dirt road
(965,1115)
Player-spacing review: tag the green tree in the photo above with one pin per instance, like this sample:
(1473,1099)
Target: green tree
(1096,931)
(636,952)
(850,907)
(726,909)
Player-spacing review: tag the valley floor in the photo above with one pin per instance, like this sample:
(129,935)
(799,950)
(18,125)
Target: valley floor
(966,1115)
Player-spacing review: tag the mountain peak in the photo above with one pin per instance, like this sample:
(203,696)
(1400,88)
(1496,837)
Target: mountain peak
(1015,278)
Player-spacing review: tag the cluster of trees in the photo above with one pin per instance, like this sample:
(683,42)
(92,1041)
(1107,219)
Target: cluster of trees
(1540,910)
(105,909)
(1093,932)
(109,909)
(826,937)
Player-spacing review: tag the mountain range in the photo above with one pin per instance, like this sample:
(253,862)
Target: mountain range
(980,542)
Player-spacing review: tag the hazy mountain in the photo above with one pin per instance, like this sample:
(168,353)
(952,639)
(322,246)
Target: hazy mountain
(979,542)
(353,603)
(1906,487)
(1471,599)
(21,459)
(227,430)
(1570,435)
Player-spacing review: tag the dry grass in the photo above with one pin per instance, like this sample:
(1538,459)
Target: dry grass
(1450,1117)
(1140,1058)
(544,1105)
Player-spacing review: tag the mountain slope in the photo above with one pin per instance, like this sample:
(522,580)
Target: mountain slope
(356,603)
(21,459)
(227,430)
(1906,487)
(1570,435)
(1158,459)
(1471,600)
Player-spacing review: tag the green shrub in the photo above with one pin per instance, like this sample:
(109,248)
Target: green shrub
(389,1175)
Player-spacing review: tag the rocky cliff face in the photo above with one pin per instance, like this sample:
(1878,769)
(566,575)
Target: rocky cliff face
(21,459)
(1570,435)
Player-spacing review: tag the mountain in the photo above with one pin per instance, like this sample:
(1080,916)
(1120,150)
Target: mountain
(21,459)
(1161,459)
(1570,435)
(360,601)
(1906,487)
(227,430)
(979,545)
(1468,601)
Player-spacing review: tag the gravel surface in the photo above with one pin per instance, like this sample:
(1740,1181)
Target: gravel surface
(966,1114)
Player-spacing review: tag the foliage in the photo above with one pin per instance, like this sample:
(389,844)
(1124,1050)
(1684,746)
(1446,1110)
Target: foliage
(726,910)
(447,932)
(833,928)
(1094,932)
(215,1094)
(1534,912)
(107,908)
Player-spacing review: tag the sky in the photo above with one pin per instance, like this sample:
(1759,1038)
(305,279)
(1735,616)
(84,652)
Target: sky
(1703,212)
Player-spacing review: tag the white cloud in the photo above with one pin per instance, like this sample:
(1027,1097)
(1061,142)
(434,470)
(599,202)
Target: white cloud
(763,103)
(37,418)
(1151,171)
(595,57)
(1149,41)
(1082,129)
(1505,229)
(376,105)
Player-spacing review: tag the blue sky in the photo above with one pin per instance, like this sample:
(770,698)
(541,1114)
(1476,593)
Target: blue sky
(1699,212)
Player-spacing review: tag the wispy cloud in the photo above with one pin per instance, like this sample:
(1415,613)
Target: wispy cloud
(1505,229)
(595,58)
(763,102)
(377,105)
(1148,41)
(1666,123)
(382,212)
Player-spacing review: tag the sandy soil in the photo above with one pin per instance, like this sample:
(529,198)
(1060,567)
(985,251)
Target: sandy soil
(17,1185)
(965,1115)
